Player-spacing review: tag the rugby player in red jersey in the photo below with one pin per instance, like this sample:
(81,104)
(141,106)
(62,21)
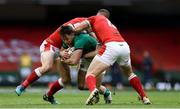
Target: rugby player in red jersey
(50,50)
(114,48)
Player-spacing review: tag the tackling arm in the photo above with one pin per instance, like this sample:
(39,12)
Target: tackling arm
(90,54)
(63,54)
(82,26)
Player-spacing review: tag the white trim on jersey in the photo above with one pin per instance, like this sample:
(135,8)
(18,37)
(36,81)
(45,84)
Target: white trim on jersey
(71,25)
(88,23)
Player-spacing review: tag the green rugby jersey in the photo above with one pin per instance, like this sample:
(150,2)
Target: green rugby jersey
(83,41)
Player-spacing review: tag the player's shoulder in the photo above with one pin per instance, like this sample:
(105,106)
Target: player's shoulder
(75,20)
(92,17)
(96,18)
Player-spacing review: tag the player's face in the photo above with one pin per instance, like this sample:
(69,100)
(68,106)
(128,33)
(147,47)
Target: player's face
(68,39)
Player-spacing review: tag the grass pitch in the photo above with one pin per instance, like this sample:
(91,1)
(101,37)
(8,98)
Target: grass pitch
(72,98)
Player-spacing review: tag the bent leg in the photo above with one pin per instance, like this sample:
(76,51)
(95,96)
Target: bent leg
(64,71)
(100,87)
(134,80)
(64,79)
(47,59)
(135,83)
(103,90)
(81,80)
(95,69)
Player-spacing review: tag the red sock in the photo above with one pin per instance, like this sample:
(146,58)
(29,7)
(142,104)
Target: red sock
(136,84)
(30,79)
(91,82)
(54,88)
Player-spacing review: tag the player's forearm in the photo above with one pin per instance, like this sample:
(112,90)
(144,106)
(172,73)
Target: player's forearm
(71,61)
(90,54)
(82,26)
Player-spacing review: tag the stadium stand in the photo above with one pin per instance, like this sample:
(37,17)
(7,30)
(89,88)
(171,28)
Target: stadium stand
(18,39)
(162,43)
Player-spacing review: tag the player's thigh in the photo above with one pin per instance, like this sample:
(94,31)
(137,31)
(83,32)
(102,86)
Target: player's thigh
(81,78)
(124,59)
(48,54)
(47,58)
(83,66)
(96,67)
(120,52)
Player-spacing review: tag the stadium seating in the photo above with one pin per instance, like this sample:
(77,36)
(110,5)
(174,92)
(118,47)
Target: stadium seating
(162,43)
(16,40)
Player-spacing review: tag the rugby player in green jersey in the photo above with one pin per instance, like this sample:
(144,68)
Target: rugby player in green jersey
(84,49)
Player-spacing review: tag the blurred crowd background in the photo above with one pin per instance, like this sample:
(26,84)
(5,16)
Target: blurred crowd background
(151,27)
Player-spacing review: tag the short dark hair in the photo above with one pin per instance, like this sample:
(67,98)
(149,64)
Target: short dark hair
(66,30)
(105,12)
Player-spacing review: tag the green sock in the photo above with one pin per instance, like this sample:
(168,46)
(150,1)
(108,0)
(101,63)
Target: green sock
(107,92)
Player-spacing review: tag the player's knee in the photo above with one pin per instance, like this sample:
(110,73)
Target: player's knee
(43,70)
(87,75)
(46,68)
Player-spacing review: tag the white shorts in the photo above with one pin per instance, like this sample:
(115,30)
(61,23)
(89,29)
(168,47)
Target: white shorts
(114,51)
(45,46)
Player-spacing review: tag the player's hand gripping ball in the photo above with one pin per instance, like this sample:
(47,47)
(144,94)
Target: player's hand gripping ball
(70,50)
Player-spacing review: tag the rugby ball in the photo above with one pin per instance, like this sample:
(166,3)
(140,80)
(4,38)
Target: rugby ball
(70,50)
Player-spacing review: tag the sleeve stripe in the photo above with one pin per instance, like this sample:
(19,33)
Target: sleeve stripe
(71,25)
(88,23)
